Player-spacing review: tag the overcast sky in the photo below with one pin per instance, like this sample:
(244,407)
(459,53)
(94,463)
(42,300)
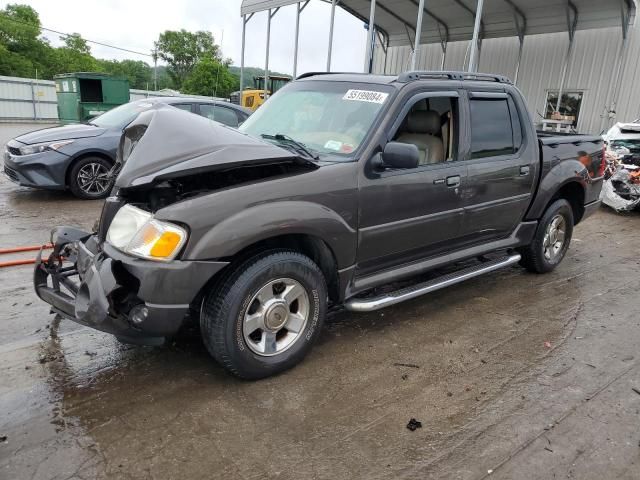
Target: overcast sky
(135,24)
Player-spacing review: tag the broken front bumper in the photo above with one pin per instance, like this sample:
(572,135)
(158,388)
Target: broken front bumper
(139,301)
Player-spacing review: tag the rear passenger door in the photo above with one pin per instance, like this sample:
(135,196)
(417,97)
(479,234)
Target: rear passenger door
(220,114)
(502,164)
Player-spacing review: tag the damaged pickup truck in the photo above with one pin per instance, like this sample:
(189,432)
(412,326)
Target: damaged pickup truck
(340,186)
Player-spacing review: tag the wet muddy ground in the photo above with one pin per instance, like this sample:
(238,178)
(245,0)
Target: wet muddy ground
(512,376)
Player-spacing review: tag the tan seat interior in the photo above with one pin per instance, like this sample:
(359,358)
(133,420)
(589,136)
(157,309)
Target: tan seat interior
(422,128)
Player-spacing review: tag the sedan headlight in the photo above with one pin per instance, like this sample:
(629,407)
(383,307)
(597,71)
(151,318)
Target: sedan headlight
(43,147)
(136,232)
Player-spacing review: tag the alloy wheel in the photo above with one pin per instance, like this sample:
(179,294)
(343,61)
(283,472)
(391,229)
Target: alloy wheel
(276,317)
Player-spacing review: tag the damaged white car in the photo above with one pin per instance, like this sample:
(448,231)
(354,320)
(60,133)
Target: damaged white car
(621,189)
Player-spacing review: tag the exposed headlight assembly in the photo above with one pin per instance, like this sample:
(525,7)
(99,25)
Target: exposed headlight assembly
(136,232)
(43,147)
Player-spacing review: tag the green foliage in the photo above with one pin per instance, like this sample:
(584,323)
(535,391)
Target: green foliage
(182,50)
(14,65)
(194,62)
(21,49)
(139,74)
(75,56)
(76,43)
(19,25)
(211,77)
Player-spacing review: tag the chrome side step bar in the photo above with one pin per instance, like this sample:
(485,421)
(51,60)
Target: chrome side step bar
(407,293)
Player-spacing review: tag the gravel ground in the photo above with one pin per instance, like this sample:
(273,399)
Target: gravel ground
(512,375)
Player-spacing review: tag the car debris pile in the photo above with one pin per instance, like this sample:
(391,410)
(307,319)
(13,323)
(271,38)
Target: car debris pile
(621,189)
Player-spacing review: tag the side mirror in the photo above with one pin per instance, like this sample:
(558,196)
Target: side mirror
(400,155)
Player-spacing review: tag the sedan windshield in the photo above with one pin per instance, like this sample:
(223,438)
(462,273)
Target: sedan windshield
(326,117)
(121,116)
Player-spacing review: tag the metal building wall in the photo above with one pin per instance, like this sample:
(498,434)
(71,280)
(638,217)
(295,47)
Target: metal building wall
(27,99)
(592,69)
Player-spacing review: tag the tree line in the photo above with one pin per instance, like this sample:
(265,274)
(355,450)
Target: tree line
(194,62)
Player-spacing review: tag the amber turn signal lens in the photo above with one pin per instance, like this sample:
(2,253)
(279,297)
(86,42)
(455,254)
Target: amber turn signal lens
(164,246)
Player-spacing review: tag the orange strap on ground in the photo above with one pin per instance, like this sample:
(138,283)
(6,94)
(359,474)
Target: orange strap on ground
(33,248)
(13,263)
(27,261)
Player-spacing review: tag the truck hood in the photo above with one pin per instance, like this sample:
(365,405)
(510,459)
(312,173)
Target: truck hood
(67,132)
(164,143)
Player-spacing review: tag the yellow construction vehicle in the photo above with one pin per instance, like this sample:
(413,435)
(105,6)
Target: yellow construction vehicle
(254,97)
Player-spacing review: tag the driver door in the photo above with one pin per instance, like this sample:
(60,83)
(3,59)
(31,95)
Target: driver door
(411,214)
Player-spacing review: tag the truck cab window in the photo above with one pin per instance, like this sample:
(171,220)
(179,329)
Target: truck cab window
(429,125)
(491,128)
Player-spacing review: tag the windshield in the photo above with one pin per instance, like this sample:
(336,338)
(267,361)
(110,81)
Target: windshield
(120,116)
(327,117)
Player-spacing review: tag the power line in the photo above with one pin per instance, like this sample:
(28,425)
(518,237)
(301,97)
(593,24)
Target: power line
(70,35)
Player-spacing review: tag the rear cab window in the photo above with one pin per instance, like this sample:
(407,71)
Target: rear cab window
(495,125)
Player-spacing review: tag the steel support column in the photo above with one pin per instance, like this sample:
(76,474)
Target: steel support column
(331,22)
(384,44)
(571,27)
(474,55)
(520,21)
(626,23)
(299,10)
(444,54)
(444,40)
(266,61)
(418,35)
(520,48)
(245,19)
(369,50)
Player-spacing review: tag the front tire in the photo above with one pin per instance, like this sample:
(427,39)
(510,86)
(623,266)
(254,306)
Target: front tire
(89,178)
(551,240)
(263,317)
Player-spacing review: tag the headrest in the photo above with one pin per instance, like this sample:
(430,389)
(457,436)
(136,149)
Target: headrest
(424,121)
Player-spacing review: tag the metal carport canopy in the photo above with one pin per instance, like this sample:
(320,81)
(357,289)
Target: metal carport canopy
(453,20)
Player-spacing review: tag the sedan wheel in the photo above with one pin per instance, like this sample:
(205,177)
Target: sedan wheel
(93,179)
(90,178)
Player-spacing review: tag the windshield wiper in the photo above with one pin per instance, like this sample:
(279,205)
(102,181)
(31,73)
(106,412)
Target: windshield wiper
(282,138)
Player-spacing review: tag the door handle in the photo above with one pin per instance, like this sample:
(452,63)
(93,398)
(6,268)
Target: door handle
(438,181)
(524,170)
(453,181)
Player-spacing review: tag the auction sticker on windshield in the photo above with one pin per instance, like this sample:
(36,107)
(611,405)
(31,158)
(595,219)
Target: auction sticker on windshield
(365,96)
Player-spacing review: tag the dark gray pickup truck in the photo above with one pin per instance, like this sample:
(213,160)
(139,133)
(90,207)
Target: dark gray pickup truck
(338,185)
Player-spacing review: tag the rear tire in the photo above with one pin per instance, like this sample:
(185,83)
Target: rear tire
(263,317)
(551,240)
(88,178)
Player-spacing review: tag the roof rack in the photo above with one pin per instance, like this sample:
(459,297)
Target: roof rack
(313,74)
(420,75)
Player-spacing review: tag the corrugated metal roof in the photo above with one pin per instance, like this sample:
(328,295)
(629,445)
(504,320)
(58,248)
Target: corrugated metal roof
(591,68)
(252,6)
(453,19)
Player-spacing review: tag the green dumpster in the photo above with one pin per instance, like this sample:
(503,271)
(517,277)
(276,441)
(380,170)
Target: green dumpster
(82,95)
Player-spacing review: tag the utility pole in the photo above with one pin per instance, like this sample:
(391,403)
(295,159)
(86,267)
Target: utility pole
(155,69)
